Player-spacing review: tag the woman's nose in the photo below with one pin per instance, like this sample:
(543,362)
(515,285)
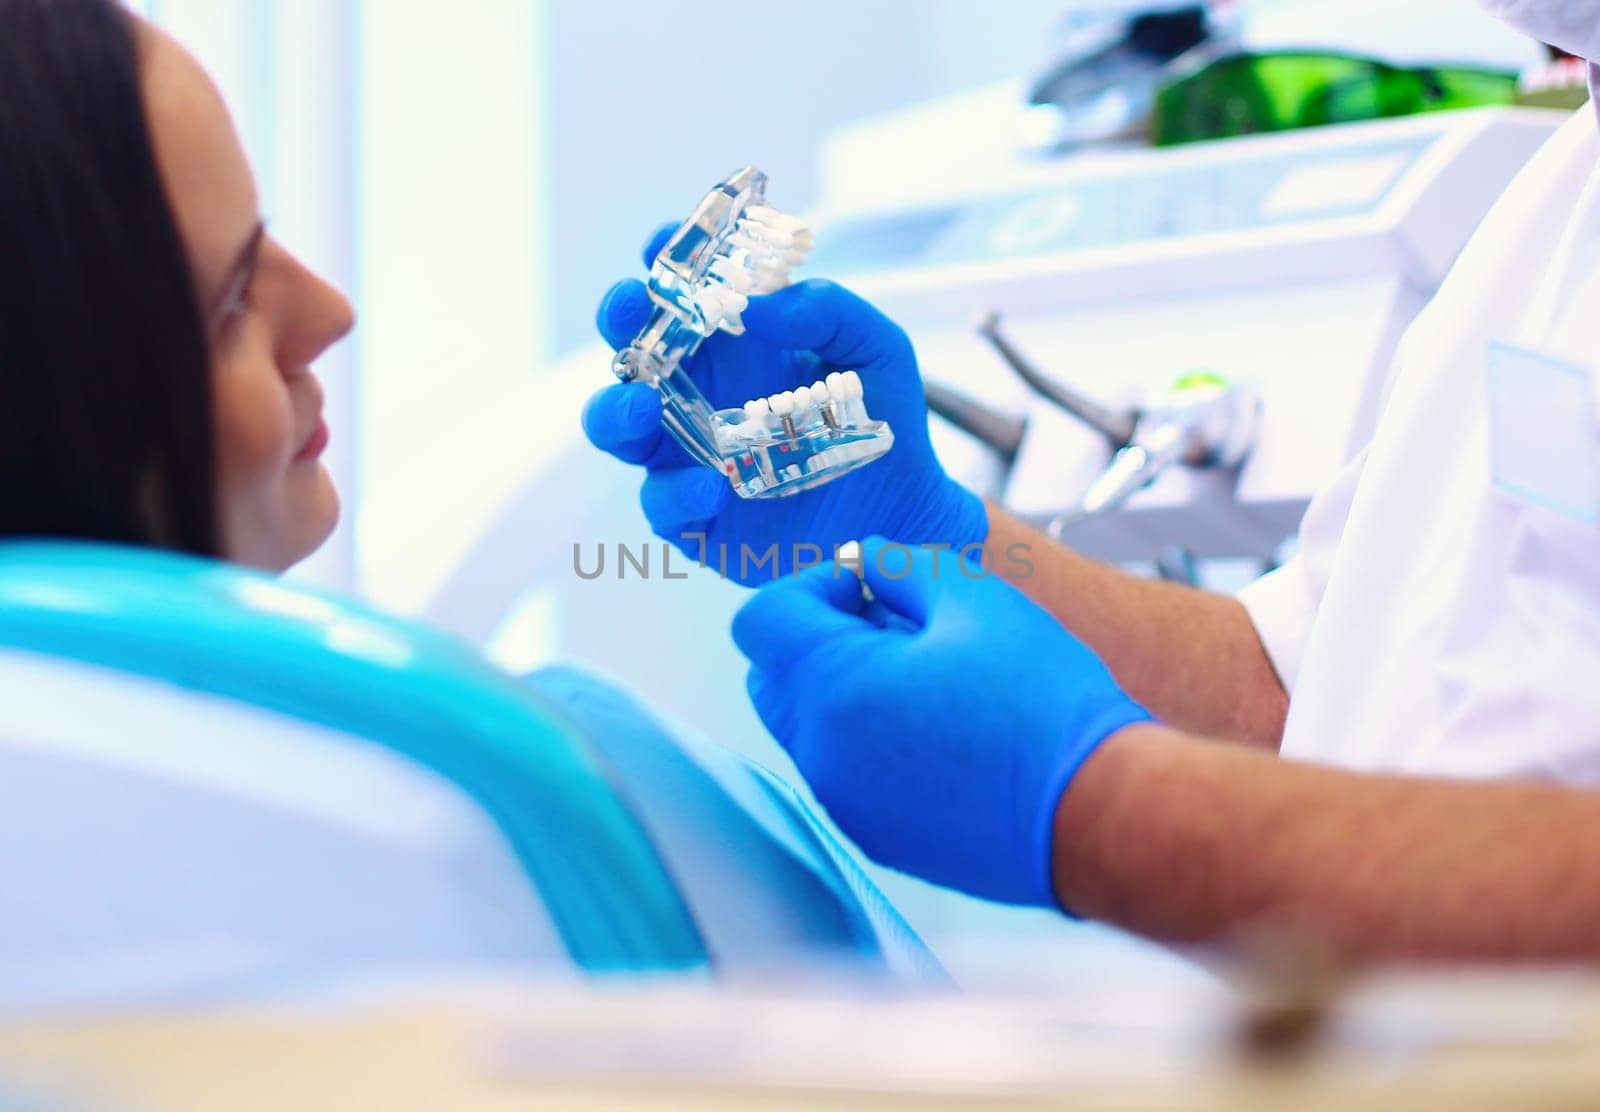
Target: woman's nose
(323,317)
(341,314)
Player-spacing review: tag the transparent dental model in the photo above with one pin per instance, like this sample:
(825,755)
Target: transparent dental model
(735,246)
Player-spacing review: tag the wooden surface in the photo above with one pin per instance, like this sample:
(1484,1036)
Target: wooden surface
(1486,1043)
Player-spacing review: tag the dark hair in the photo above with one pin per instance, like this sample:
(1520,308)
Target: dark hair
(105,389)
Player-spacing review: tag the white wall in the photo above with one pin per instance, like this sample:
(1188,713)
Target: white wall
(454,243)
(650,104)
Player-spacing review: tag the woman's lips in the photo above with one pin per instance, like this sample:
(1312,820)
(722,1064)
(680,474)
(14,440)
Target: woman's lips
(315,443)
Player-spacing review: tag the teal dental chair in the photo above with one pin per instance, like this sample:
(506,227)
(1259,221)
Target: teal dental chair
(217,786)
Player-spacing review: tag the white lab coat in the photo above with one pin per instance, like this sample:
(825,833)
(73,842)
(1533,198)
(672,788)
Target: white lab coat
(1443,613)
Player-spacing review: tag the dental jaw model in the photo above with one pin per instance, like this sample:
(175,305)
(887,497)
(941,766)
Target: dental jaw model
(732,248)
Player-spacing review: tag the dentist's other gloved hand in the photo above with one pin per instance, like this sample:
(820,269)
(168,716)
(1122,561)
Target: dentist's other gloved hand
(793,337)
(941,724)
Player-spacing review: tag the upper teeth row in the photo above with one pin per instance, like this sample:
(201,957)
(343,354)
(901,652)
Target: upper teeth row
(744,271)
(719,302)
(777,228)
(840,386)
(763,248)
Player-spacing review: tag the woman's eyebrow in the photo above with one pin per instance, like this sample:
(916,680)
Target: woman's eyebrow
(243,265)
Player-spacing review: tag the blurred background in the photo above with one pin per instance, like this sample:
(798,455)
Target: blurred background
(477,174)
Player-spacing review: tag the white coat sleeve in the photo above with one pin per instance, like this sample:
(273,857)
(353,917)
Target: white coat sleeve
(1283,603)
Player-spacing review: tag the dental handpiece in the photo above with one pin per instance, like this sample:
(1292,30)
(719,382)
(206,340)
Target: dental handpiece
(735,246)
(1204,421)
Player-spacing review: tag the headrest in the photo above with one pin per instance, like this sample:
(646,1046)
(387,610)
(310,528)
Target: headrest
(211,627)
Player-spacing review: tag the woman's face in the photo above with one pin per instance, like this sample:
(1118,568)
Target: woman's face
(267,318)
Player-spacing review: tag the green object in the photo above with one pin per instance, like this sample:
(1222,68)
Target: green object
(1567,99)
(1246,94)
(1191,380)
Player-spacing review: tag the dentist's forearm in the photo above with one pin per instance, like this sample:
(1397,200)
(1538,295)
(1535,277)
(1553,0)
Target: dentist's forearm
(1186,841)
(1192,657)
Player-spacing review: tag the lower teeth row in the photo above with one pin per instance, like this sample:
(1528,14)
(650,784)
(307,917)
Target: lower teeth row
(835,401)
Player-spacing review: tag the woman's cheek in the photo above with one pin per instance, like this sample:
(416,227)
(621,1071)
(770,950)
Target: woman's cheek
(255,428)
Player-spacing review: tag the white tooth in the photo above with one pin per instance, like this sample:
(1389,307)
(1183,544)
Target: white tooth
(757,408)
(850,553)
(732,273)
(783,404)
(766,234)
(710,302)
(819,391)
(763,213)
(720,302)
(802,398)
(836,389)
(853,383)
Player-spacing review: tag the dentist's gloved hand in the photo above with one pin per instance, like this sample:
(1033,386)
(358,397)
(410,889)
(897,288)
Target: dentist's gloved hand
(793,337)
(940,725)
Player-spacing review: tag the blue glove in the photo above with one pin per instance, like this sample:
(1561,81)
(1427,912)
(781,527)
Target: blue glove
(793,337)
(941,733)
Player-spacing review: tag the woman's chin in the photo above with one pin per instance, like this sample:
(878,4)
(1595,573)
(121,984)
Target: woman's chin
(278,534)
(322,516)
(315,516)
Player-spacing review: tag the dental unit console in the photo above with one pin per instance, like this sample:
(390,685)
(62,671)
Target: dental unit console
(734,246)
